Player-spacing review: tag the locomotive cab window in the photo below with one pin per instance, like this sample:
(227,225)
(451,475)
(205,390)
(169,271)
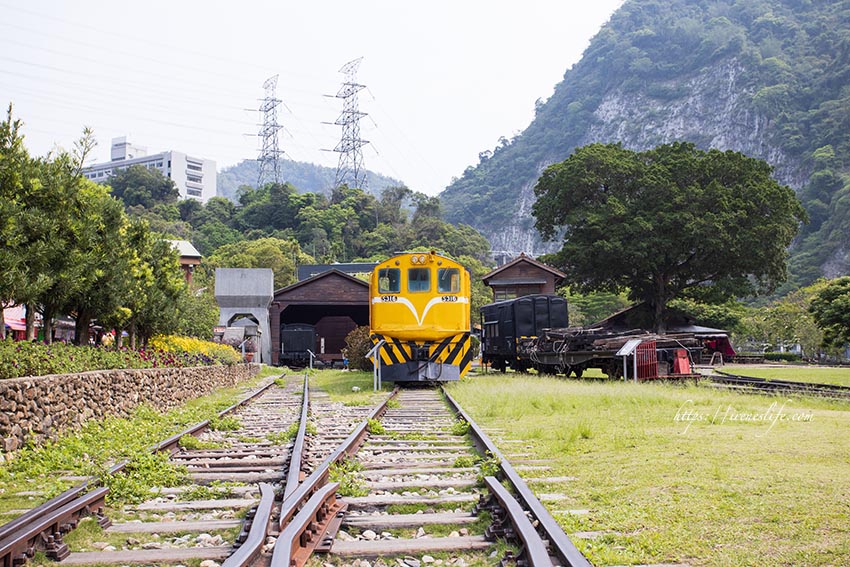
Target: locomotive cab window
(418,279)
(389,280)
(448,280)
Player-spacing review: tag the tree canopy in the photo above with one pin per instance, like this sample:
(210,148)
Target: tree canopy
(831,310)
(138,185)
(68,247)
(667,221)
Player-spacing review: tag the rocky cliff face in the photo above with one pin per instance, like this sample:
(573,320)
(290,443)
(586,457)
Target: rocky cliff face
(767,78)
(714,112)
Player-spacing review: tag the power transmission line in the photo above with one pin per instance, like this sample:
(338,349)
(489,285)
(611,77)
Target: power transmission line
(270,154)
(350,168)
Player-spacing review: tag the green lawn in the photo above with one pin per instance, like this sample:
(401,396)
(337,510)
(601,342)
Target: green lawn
(680,473)
(796,373)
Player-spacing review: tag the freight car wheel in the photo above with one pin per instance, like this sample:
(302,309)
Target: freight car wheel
(613,370)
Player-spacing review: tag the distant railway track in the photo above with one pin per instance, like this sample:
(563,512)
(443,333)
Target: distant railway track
(749,383)
(402,453)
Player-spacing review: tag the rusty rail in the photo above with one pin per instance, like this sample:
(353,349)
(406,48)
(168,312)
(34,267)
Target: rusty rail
(260,522)
(534,552)
(297,541)
(46,530)
(780,386)
(564,549)
(252,546)
(314,493)
(293,475)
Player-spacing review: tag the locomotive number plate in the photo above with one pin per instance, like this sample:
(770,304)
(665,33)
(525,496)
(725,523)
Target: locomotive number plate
(449,299)
(389,298)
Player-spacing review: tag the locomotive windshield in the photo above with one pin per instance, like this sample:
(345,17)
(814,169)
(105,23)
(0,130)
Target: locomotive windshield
(448,280)
(418,279)
(389,280)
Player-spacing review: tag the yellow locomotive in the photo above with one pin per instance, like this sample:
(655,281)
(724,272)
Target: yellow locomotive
(419,307)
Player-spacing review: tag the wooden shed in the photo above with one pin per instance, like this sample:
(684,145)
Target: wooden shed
(318,312)
(522,276)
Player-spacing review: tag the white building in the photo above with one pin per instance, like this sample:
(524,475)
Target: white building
(195,177)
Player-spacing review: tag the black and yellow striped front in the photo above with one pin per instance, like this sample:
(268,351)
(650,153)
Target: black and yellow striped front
(423,361)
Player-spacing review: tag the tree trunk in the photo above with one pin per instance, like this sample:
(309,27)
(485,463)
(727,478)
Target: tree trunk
(132,333)
(81,328)
(119,338)
(47,324)
(30,319)
(658,317)
(2,323)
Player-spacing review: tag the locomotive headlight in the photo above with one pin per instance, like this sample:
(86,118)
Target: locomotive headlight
(421,259)
(414,259)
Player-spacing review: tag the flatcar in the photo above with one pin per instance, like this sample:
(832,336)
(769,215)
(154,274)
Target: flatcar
(419,314)
(532,332)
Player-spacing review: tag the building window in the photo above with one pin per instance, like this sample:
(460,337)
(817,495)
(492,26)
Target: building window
(193,192)
(504,293)
(194,167)
(194,178)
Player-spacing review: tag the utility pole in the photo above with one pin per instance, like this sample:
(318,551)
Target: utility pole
(269,158)
(350,169)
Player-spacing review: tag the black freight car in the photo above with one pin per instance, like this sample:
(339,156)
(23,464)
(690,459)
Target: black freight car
(505,323)
(296,340)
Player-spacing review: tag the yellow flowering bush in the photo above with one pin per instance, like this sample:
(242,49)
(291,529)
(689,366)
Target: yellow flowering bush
(225,354)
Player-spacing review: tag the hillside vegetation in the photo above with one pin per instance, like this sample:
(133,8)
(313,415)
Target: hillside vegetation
(307,177)
(768,78)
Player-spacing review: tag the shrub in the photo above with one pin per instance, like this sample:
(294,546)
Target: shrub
(358,343)
(222,354)
(782,356)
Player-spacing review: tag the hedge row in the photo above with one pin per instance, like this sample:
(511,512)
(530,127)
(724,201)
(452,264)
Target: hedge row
(21,358)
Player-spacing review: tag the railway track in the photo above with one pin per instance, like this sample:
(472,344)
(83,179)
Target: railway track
(733,381)
(408,480)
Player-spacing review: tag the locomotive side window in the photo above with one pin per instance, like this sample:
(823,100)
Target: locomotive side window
(448,280)
(389,280)
(418,279)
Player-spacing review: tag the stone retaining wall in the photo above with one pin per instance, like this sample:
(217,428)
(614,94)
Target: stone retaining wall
(39,408)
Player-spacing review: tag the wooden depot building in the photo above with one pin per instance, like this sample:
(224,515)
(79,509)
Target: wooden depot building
(316,315)
(522,276)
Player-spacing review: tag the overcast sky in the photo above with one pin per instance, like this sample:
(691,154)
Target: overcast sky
(445,78)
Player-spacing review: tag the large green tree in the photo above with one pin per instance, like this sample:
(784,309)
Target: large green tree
(158,284)
(665,221)
(17,180)
(831,310)
(138,185)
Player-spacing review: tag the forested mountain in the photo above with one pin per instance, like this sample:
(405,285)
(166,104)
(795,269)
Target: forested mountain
(769,78)
(307,177)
